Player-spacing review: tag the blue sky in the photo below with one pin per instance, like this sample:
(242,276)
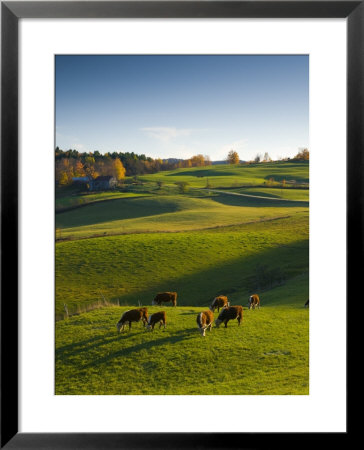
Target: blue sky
(179,106)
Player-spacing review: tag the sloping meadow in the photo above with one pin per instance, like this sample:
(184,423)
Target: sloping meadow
(116,254)
(267,354)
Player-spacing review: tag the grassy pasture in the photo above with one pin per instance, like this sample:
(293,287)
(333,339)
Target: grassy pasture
(197,264)
(76,199)
(234,175)
(127,246)
(268,354)
(170,213)
(288,194)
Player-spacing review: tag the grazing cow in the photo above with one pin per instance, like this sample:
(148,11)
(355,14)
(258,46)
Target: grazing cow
(165,297)
(204,321)
(254,301)
(132,315)
(307,303)
(230,313)
(160,317)
(219,302)
(145,315)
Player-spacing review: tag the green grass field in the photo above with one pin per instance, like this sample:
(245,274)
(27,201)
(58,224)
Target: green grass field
(170,214)
(301,195)
(267,354)
(234,175)
(122,250)
(76,199)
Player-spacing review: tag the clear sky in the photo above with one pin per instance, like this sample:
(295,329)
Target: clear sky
(179,106)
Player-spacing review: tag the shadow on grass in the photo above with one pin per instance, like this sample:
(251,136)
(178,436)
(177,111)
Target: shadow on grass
(231,278)
(82,347)
(237,200)
(176,337)
(116,209)
(89,344)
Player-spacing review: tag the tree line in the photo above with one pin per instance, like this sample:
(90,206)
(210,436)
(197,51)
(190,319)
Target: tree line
(302,155)
(71,163)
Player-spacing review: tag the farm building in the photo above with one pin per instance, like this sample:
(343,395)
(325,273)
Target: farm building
(81,180)
(102,183)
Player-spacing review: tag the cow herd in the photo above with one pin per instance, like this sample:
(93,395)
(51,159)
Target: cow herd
(204,319)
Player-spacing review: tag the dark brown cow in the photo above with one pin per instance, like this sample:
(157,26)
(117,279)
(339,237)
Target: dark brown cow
(230,313)
(164,297)
(145,316)
(219,302)
(160,317)
(254,301)
(132,315)
(204,321)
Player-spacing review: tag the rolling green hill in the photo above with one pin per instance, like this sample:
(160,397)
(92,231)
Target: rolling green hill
(198,264)
(170,214)
(226,175)
(121,248)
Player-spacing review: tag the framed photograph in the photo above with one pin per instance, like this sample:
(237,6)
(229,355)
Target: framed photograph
(178,180)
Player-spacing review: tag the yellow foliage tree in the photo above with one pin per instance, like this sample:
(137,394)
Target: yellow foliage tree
(303,155)
(118,169)
(197,161)
(79,170)
(233,157)
(63,181)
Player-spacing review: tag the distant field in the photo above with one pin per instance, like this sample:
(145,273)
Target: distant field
(78,199)
(234,175)
(289,194)
(169,214)
(268,354)
(198,264)
(121,248)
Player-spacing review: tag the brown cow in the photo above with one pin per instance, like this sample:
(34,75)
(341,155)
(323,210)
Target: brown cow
(160,317)
(145,316)
(165,297)
(254,301)
(204,321)
(230,313)
(219,302)
(132,315)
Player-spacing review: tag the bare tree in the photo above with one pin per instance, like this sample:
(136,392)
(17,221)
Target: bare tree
(266,157)
(258,158)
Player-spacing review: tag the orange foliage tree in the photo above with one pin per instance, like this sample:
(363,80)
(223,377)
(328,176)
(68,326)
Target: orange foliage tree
(232,157)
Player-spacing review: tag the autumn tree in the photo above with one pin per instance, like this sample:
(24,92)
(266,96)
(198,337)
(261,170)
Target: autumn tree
(118,170)
(79,171)
(71,163)
(64,171)
(303,155)
(63,180)
(232,157)
(197,161)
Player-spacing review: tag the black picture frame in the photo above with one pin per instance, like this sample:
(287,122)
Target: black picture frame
(11,12)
